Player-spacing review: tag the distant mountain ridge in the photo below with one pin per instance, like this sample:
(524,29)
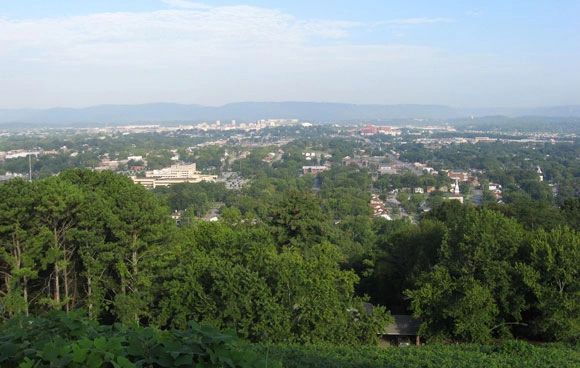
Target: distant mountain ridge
(250,111)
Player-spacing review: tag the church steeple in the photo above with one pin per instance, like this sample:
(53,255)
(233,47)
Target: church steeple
(456,187)
(540,173)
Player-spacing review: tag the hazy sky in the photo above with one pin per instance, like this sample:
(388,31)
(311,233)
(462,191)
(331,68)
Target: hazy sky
(460,53)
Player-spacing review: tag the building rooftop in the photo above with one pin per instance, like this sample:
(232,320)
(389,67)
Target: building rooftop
(404,325)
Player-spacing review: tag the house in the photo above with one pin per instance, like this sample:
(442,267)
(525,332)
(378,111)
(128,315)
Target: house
(135,158)
(419,165)
(347,161)
(269,157)
(458,175)
(430,170)
(418,190)
(387,170)
(403,331)
(314,170)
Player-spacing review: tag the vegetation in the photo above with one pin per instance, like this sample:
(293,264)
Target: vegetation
(292,261)
(516,354)
(61,340)
(57,339)
(97,241)
(513,165)
(282,270)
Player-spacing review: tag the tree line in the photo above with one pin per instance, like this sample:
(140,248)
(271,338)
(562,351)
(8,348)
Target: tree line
(95,241)
(285,263)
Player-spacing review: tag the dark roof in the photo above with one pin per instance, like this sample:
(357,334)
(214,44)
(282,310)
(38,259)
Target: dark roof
(403,325)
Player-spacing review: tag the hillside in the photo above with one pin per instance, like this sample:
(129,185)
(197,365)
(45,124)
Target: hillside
(250,111)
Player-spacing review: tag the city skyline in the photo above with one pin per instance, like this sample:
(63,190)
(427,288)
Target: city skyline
(72,54)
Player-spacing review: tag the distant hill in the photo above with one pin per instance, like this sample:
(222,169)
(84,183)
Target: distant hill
(570,124)
(249,111)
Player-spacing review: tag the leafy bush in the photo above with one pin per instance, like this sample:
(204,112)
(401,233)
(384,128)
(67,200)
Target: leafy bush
(60,340)
(513,354)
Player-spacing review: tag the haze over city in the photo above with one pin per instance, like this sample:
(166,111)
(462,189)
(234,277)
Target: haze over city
(477,54)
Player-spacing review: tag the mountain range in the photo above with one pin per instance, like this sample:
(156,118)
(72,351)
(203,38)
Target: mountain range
(251,111)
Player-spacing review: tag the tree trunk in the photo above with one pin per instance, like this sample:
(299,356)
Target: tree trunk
(134,261)
(7,282)
(56,284)
(75,290)
(25,294)
(66,294)
(56,271)
(134,268)
(89,296)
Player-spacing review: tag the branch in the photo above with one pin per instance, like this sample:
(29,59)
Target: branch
(508,323)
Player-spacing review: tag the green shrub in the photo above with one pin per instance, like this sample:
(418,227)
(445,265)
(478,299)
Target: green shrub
(60,340)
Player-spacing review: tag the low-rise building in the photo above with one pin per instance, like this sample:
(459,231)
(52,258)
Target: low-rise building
(458,175)
(455,198)
(175,174)
(370,130)
(314,170)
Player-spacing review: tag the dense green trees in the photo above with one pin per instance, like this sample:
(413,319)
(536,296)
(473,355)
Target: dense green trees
(403,252)
(238,278)
(20,250)
(289,260)
(81,244)
(97,241)
(550,271)
(492,278)
(472,274)
(194,198)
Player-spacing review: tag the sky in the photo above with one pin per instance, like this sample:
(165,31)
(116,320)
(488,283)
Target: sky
(494,53)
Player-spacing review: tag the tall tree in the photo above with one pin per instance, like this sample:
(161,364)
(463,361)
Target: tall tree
(553,275)
(20,250)
(478,260)
(57,204)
